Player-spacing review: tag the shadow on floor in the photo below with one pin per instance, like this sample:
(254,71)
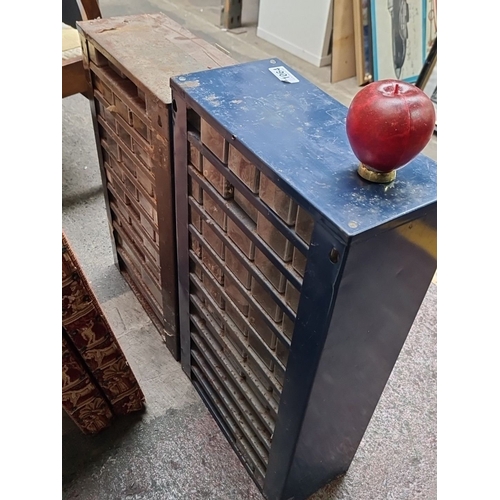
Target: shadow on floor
(80,450)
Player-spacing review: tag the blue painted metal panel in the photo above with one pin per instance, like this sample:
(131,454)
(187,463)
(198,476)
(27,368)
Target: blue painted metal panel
(298,132)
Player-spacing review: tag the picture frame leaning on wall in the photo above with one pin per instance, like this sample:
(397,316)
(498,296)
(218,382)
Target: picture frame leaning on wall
(362,41)
(399,38)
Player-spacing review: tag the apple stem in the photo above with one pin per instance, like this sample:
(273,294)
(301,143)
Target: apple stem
(396,88)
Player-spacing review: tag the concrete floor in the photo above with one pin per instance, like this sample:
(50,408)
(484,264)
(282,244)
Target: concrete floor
(174,450)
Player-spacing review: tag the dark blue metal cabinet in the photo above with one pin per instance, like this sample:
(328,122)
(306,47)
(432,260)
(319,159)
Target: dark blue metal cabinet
(298,280)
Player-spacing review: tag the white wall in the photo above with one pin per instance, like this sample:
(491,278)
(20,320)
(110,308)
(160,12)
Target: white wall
(250,12)
(301,27)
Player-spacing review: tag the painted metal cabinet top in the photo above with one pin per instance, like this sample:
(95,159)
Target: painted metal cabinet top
(296,133)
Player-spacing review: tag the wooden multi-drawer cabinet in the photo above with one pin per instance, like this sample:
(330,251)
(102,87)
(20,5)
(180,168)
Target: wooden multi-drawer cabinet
(298,280)
(129,61)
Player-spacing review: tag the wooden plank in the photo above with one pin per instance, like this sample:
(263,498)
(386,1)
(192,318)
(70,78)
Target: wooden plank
(73,77)
(343,52)
(163,172)
(156,38)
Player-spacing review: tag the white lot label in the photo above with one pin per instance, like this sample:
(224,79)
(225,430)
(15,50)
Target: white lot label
(281,73)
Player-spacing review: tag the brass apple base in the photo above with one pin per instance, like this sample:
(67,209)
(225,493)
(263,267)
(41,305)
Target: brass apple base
(374,176)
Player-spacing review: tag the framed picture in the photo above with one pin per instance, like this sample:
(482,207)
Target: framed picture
(362,41)
(431,23)
(427,79)
(399,38)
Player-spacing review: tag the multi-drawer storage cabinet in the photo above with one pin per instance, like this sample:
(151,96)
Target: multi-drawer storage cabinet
(129,61)
(298,280)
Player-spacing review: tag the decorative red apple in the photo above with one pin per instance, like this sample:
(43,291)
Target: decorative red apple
(388,123)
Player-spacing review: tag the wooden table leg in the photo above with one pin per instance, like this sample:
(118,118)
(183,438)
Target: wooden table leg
(230,16)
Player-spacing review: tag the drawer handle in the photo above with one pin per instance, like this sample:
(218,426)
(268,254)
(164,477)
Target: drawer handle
(111,109)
